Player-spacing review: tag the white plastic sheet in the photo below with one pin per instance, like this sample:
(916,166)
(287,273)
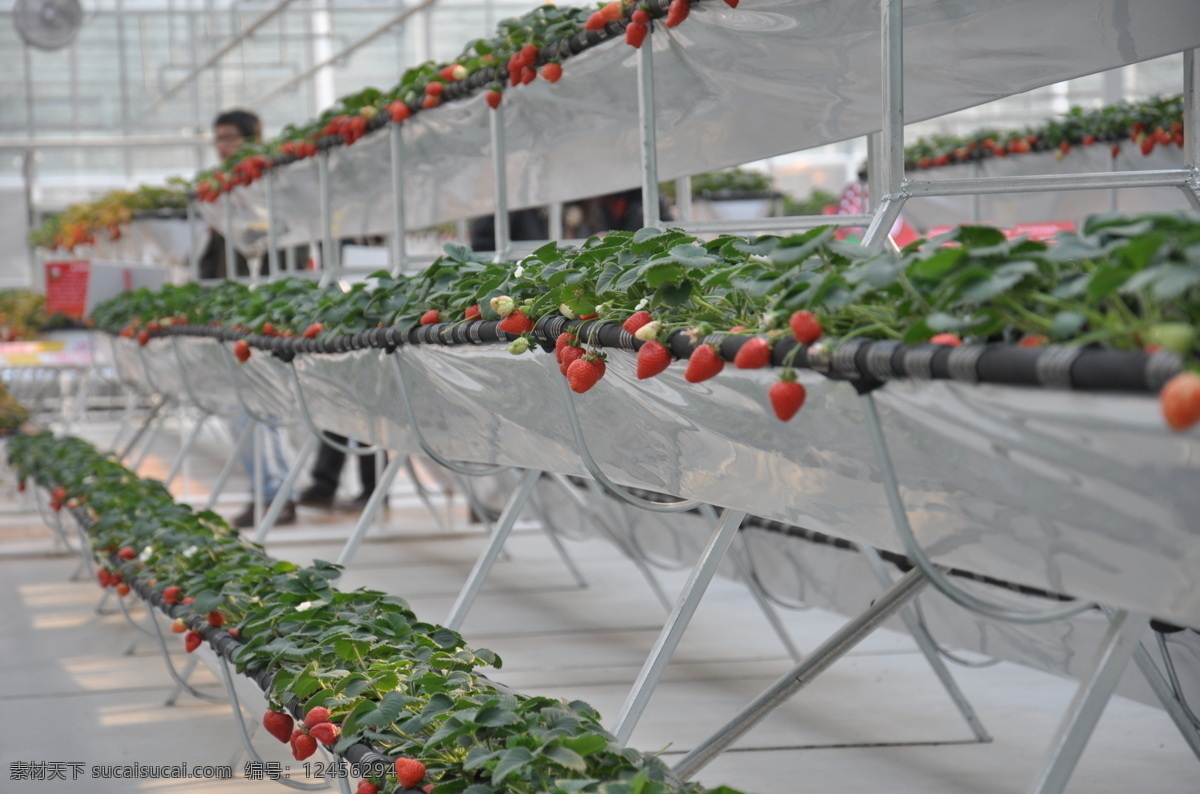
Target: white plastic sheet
(1084,494)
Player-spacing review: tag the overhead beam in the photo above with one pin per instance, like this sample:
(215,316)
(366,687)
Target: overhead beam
(349,49)
(220,53)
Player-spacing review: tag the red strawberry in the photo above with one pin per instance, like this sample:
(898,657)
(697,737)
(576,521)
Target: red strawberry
(570,354)
(171,594)
(635,34)
(636,321)
(325,732)
(677,12)
(640,16)
(127,553)
(787,396)
(704,364)
(805,327)
(430,317)
(122,589)
(303,746)
(187,600)
(409,772)
(732,3)
(216,619)
(1148,144)
(435,88)
(234,633)
(192,640)
(1180,401)
(1089,139)
(565,339)
(529,54)
(552,72)
(652,358)
(316,715)
(493,99)
(583,374)
(59,493)
(143,337)
(311,331)
(278,725)
(950,340)
(399,111)
(430,102)
(612,11)
(268,329)
(241,351)
(1116,150)
(1034,340)
(104,577)
(528,75)
(753,354)
(472,312)
(178,626)
(366,787)
(516,323)
(595,22)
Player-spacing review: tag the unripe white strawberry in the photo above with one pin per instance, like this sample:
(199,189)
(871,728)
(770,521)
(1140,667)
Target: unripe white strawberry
(565,311)
(649,331)
(502,305)
(518,346)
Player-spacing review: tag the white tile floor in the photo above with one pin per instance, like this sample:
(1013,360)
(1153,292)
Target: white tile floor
(876,721)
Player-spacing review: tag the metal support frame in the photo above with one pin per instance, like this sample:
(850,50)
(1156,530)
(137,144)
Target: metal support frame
(1175,708)
(193,242)
(483,565)
(1191,125)
(330,269)
(184,450)
(227,226)
(649,134)
(499,181)
(230,463)
(399,244)
(1120,641)
(672,632)
(928,648)
(838,645)
(272,230)
(284,494)
(376,500)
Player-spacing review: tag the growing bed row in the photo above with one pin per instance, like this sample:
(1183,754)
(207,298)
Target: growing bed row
(358,670)
(1122,298)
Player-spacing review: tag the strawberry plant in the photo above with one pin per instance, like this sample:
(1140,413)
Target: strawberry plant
(1121,283)
(1155,122)
(358,667)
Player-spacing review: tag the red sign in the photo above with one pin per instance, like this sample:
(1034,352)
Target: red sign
(66,288)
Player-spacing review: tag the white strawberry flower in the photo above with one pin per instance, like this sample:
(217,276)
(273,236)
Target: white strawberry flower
(520,271)
(643,303)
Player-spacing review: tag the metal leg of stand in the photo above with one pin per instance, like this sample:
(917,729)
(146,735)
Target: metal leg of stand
(1122,639)
(685,607)
(552,534)
(179,680)
(284,494)
(151,417)
(151,437)
(1166,696)
(227,469)
(609,528)
(764,603)
(508,517)
(189,667)
(834,648)
(928,648)
(185,450)
(422,493)
(382,485)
